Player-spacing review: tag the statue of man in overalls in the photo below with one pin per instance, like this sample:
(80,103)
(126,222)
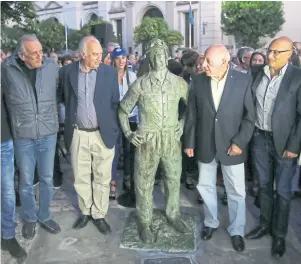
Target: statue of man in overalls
(158,137)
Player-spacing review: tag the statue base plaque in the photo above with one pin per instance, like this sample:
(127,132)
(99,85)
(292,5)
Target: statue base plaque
(165,237)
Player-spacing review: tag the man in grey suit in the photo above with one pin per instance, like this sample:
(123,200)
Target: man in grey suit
(219,125)
(276,142)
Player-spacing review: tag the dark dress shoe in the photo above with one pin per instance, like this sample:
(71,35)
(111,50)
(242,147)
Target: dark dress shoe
(207,232)
(102,226)
(29,230)
(13,247)
(238,243)
(81,222)
(50,226)
(258,232)
(278,247)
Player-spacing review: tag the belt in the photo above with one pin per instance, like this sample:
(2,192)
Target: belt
(88,129)
(264,132)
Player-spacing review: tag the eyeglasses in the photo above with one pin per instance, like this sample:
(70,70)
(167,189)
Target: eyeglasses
(276,52)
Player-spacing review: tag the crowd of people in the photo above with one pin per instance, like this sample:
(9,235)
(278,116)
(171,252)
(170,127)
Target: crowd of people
(243,117)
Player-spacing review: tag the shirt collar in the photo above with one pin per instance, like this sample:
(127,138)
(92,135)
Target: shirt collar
(81,68)
(281,72)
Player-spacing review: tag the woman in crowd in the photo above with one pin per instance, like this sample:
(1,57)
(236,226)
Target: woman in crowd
(256,61)
(125,79)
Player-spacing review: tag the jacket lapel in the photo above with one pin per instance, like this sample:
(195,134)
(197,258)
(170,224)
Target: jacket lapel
(209,91)
(100,82)
(74,78)
(226,96)
(284,86)
(257,82)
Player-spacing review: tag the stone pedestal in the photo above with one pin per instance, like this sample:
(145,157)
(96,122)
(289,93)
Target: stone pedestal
(166,238)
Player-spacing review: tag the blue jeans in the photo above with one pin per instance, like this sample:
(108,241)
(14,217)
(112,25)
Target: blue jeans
(29,153)
(8,197)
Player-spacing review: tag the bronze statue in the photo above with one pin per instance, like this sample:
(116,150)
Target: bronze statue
(157,94)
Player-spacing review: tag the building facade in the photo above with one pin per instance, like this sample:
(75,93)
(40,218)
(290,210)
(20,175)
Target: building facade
(126,15)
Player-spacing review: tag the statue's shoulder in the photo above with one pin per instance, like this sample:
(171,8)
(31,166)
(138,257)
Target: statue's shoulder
(142,78)
(175,78)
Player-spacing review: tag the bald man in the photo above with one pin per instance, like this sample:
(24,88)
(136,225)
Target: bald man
(277,140)
(219,125)
(90,93)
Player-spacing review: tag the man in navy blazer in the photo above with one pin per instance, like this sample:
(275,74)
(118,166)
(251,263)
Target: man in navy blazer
(276,142)
(90,93)
(219,125)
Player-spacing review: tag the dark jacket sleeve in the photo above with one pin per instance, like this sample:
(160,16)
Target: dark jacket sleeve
(115,94)
(191,117)
(294,140)
(244,135)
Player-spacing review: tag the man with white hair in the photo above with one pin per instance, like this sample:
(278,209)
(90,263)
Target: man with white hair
(29,83)
(219,125)
(89,89)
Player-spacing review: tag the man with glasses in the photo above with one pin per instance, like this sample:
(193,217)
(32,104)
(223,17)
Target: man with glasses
(277,140)
(29,83)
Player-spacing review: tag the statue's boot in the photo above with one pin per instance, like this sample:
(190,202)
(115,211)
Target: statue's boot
(177,224)
(146,234)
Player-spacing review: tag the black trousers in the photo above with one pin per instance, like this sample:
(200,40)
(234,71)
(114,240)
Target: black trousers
(128,153)
(57,175)
(269,166)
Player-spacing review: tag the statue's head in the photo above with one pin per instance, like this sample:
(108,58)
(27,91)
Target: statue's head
(157,54)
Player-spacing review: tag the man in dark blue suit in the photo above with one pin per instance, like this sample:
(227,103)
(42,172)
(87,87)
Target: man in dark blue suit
(90,93)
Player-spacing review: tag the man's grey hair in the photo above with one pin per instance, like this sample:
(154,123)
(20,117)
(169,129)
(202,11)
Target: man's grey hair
(20,45)
(242,52)
(83,43)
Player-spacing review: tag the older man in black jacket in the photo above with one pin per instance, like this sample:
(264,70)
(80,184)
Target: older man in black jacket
(219,124)
(277,140)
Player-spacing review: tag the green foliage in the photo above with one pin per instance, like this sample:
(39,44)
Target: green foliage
(16,11)
(51,34)
(248,21)
(174,38)
(156,28)
(10,36)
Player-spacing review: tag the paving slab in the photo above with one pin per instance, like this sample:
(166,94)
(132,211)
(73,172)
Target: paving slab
(88,246)
(175,260)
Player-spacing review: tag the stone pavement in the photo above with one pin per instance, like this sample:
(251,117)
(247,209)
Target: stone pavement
(88,246)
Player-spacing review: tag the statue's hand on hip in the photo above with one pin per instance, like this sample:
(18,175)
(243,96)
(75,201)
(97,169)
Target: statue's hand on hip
(135,139)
